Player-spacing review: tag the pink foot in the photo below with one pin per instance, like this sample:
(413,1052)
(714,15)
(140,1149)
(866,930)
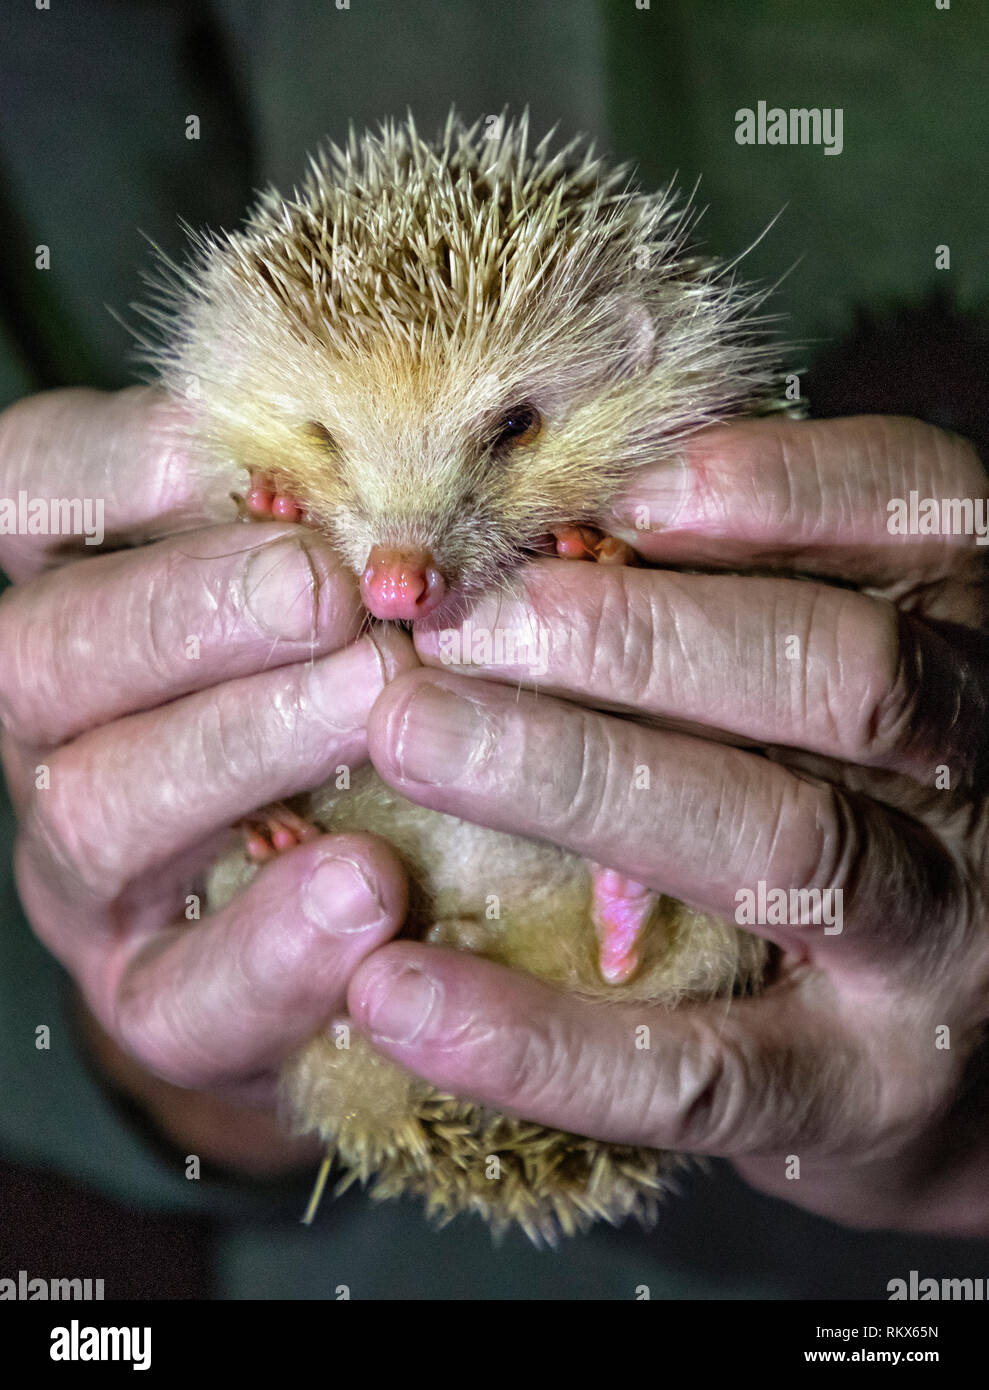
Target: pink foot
(265,502)
(273,830)
(612,551)
(575,542)
(619,910)
(588,543)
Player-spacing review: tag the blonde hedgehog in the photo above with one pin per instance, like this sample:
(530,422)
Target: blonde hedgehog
(448,357)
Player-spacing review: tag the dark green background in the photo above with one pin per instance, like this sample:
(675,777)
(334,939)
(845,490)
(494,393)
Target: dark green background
(92,149)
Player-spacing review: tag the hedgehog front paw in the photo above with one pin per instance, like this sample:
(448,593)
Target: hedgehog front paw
(266,502)
(273,830)
(588,543)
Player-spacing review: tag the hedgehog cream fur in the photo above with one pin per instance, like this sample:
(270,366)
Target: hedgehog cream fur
(357,342)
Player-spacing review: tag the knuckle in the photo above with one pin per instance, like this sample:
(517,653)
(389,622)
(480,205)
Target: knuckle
(712,1091)
(243,740)
(821,691)
(792,457)
(571,800)
(869,675)
(813,834)
(620,641)
(888,709)
(162,605)
(33,692)
(44,650)
(13,710)
(273,734)
(287,722)
(228,742)
(835,842)
(188,594)
(156,1039)
(527,1064)
(66,821)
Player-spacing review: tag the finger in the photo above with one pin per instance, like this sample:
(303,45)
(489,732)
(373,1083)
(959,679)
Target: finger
(128,798)
(702,822)
(813,666)
(758,1076)
(122,452)
(811,495)
(233,997)
(130,631)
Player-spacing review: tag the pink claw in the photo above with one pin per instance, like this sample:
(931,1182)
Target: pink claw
(259,501)
(588,543)
(285,508)
(265,501)
(274,830)
(256,847)
(612,551)
(575,542)
(620,908)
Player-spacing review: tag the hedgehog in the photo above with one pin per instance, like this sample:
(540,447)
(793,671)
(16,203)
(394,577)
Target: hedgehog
(448,356)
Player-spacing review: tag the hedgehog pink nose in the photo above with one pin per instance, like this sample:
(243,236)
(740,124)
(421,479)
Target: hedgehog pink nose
(401,584)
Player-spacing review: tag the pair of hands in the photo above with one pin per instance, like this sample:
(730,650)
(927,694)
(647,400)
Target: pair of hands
(862,1060)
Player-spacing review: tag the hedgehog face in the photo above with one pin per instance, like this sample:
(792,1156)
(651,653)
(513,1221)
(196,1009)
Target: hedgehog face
(437,472)
(423,519)
(446,351)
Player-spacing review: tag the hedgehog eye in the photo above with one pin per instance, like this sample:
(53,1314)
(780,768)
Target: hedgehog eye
(312,429)
(518,427)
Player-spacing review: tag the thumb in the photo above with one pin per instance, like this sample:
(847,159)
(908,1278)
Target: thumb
(725,1077)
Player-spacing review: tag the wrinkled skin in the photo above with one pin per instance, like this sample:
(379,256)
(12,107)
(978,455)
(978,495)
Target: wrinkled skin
(153,756)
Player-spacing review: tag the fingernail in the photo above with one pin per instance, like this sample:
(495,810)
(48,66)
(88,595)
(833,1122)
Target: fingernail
(658,501)
(399,1006)
(442,736)
(340,898)
(280,590)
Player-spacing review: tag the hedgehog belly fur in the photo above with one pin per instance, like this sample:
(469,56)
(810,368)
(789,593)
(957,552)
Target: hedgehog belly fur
(390,1128)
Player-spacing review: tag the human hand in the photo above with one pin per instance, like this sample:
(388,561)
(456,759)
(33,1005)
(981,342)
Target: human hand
(149,698)
(862,1059)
